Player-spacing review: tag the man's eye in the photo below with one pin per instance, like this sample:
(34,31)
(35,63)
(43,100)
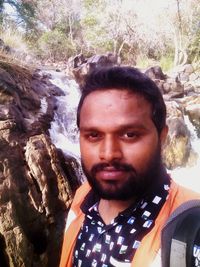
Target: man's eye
(130,135)
(93,136)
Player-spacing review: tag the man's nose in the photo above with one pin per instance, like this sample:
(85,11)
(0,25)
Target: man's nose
(110,149)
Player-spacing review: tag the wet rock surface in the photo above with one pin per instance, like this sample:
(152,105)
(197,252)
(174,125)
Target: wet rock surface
(37,181)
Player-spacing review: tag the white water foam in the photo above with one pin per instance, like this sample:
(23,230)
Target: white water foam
(44,105)
(63,132)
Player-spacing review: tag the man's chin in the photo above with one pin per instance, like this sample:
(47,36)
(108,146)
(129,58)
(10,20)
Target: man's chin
(113,192)
(113,196)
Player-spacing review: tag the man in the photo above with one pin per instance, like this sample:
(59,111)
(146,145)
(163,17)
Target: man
(117,216)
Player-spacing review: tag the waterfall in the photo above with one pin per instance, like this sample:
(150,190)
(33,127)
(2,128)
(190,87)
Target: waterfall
(64,133)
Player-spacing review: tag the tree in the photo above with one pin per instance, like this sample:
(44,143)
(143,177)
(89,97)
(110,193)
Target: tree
(24,13)
(129,28)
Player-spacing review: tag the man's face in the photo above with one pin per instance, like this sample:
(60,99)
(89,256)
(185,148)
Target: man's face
(119,143)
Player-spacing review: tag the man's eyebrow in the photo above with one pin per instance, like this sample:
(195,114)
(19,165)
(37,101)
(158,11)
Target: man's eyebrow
(120,127)
(133,126)
(88,128)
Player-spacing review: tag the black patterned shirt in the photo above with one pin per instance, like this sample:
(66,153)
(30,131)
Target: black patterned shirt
(101,245)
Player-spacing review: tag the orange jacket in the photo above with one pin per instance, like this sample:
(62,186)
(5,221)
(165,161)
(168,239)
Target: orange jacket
(150,244)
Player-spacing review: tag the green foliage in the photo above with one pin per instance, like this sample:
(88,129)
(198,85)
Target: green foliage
(1,11)
(143,61)
(194,46)
(90,21)
(166,62)
(129,54)
(138,31)
(54,45)
(92,5)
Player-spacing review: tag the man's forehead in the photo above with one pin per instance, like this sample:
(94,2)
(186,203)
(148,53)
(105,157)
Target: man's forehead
(119,107)
(121,93)
(119,99)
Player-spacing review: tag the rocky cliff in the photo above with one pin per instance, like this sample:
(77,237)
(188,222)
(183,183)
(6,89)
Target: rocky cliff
(37,181)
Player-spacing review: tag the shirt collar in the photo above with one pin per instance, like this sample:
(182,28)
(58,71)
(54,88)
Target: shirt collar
(91,198)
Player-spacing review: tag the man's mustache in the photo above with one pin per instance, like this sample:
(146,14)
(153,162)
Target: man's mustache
(115,165)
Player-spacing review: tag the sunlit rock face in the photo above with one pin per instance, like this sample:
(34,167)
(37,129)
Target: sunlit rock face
(177,149)
(192,108)
(79,66)
(180,90)
(37,181)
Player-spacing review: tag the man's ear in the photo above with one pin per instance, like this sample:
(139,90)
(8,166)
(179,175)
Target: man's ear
(163,134)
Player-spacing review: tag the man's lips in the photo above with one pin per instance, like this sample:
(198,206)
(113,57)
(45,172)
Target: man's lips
(110,173)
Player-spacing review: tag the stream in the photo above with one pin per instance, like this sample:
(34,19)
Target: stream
(64,133)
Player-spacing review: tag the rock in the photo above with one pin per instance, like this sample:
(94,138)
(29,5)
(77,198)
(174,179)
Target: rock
(155,72)
(194,83)
(178,146)
(79,66)
(107,60)
(35,196)
(80,73)
(177,149)
(189,89)
(182,72)
(188,68)
(170,87)
(37,181)
(192,108)
(193,112)
(173,88)
(193,76)
(77,61)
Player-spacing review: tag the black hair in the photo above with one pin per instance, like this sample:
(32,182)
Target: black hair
(125,78)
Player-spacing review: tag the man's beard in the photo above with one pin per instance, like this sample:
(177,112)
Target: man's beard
(136,185)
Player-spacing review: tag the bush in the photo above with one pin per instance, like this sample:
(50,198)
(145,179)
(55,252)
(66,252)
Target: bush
(167,62)
(144,62)
(55,46)
(15,40)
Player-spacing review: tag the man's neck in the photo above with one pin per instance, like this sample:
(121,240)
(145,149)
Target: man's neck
(109,209)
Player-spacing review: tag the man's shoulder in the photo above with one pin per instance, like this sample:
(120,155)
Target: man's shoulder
(80,194)
(180,232)
(180,194)
(83,188)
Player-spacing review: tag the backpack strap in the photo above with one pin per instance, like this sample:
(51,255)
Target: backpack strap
(179,235)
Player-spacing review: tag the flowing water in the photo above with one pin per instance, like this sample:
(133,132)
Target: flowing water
(64,133)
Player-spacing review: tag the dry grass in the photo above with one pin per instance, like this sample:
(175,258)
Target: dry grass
(14,39)
(20,53)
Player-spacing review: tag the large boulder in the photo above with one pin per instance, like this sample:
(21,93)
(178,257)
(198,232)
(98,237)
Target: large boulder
(177,150)
(79,66)
(155,73)
(37,181)
(192,109)
(172,89)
